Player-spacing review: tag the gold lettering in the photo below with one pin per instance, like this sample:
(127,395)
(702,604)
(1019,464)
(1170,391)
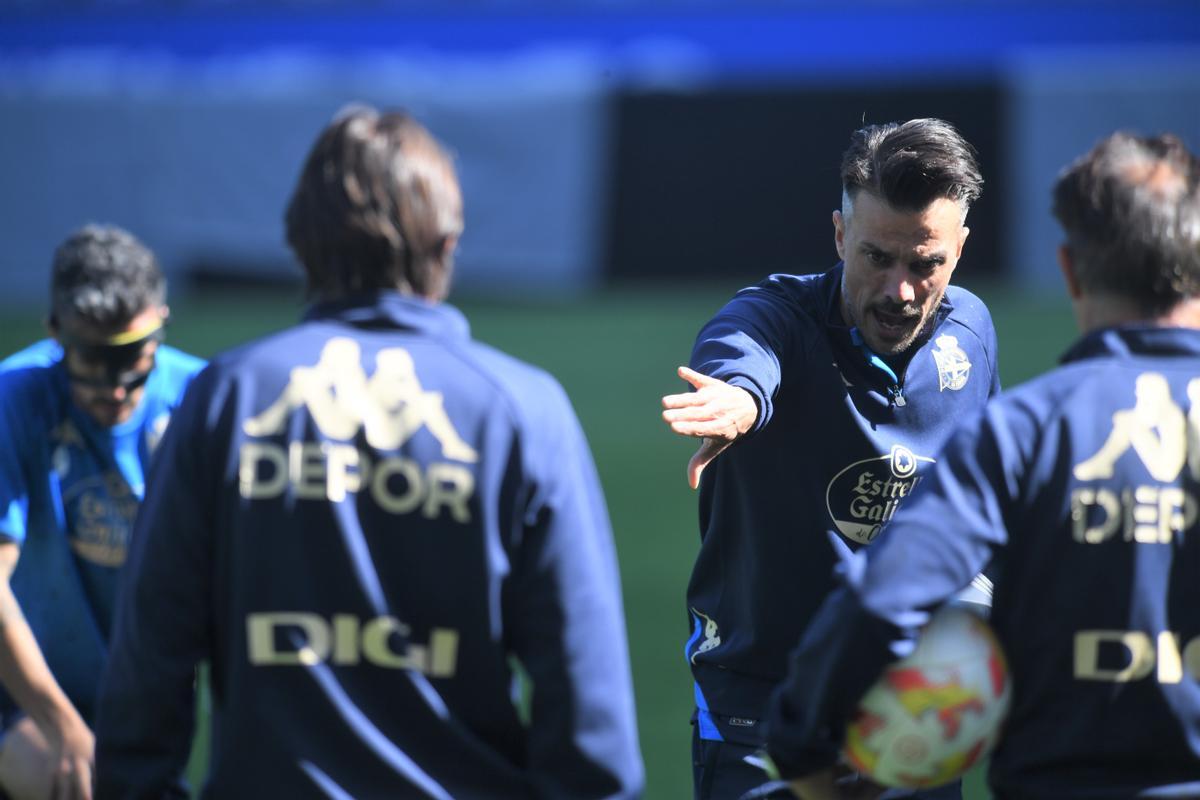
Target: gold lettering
(260,632)
(1144,512)
(1170,661)
(443,646)
(1104,500)
(451,486)
(414,485)
(1087,655)
(1191,657)
(251,456)
(345,639)
(375,643)
(346,470)
(306,469)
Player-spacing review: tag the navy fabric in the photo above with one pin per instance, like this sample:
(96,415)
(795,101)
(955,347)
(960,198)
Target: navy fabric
(837,447)
(1083,487)
(364,522)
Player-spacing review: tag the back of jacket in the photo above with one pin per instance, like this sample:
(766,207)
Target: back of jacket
(1084,487)
(365,521)
(1098,590)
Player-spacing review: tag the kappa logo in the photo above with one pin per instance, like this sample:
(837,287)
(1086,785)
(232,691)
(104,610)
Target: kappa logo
(1166,439)
(866,494)
(390,406)
(953,366)
(1162,435)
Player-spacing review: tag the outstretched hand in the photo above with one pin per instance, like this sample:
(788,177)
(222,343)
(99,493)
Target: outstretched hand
(716,412)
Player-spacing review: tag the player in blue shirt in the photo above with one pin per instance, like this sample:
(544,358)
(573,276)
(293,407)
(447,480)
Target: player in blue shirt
(827,397)
(80,415)
(1084,486)
(367,522)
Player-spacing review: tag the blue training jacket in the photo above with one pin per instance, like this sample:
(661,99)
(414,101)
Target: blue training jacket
(1084,486)
(838,445)
(365,522)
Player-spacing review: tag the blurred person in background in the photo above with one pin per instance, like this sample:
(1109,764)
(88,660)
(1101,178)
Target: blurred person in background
(80,415)
(1083,485)
(821,401)
(367,522)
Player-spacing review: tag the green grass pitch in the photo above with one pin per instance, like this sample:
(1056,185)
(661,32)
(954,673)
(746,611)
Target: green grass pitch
(616,351)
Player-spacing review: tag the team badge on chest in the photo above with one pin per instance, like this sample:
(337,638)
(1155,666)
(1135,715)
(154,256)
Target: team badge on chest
(953,366)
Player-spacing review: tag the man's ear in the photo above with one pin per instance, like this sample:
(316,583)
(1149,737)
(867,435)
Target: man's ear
(1067,265)
(839,233)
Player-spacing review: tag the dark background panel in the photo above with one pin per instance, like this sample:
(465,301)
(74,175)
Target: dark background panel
(743,181)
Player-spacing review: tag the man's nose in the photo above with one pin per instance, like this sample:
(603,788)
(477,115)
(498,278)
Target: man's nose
(900,286)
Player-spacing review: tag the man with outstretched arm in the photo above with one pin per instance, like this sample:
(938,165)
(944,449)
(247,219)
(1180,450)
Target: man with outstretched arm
(822,401)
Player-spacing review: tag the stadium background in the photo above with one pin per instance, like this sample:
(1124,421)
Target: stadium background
(627,166)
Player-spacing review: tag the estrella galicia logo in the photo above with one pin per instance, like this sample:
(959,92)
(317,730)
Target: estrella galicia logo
(865,495)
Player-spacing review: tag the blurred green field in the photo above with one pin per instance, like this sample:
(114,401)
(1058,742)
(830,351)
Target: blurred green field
(616,352)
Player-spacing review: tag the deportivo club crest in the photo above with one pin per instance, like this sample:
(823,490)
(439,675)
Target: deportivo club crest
(866,494)
(953,366)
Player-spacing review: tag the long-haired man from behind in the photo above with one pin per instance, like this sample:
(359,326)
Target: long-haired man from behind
(364,522)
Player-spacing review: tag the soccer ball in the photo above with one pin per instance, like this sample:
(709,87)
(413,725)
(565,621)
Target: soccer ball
(935,713)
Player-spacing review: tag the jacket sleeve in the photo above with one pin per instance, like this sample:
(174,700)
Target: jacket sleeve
(565,620)
(146,704)
(747,343)
(920,561)
(16,424)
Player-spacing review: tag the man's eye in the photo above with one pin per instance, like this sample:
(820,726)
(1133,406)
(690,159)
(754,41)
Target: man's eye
(877,258)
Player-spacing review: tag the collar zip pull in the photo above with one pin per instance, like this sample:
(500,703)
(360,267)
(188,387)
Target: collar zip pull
(895,391)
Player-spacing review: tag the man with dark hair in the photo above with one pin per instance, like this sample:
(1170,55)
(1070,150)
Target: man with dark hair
(80,415)
(1083,487)
(826,397)
(369,523)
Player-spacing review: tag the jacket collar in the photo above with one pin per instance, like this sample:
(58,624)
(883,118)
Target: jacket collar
(394,310)
(1135,340)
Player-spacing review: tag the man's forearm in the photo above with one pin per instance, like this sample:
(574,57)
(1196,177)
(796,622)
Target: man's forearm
(24,672)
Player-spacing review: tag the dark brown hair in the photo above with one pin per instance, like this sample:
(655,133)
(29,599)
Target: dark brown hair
(1131,212)
(910,164)
(104,276)
(377,206)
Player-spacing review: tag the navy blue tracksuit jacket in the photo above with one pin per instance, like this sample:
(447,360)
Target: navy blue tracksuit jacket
(364,522)
(1084,487)
(838,445)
